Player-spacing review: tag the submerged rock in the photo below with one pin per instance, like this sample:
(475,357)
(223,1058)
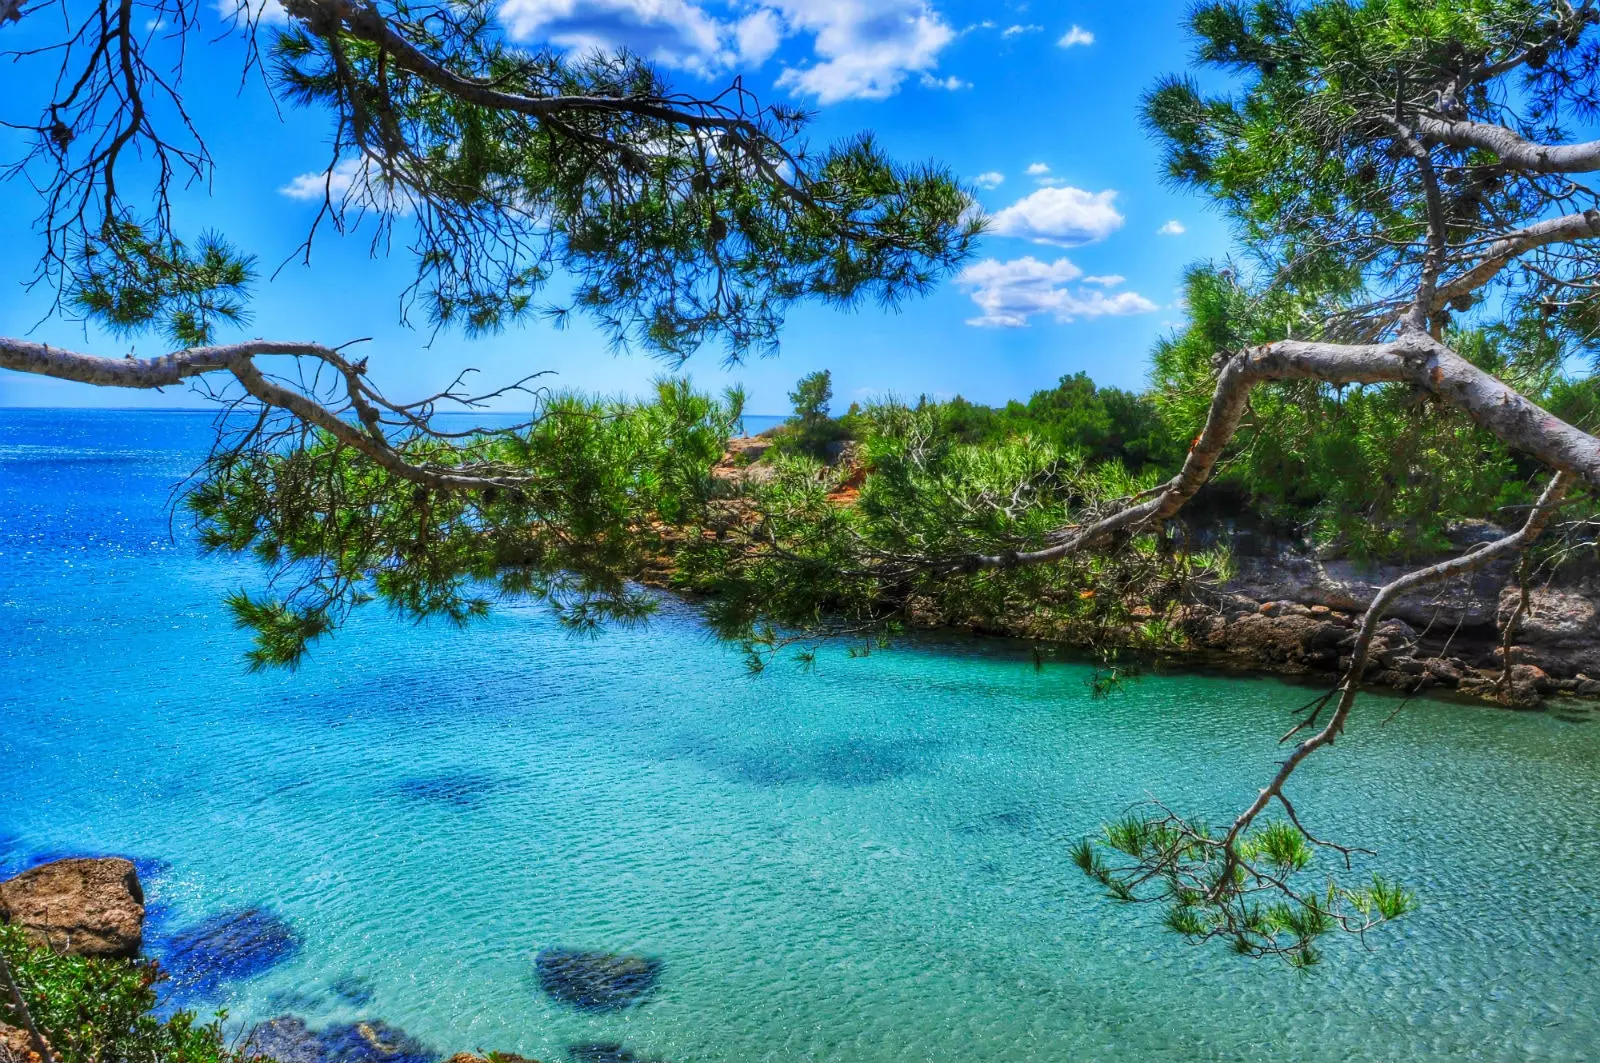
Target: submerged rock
(87,907)
(844,762)
(459,791)
(287,1039)
(604,1052)
(354,990)
(227,947)
(372,1042)
(596,981)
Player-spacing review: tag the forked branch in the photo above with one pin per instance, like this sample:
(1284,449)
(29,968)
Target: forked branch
(1414,358)
(374,416)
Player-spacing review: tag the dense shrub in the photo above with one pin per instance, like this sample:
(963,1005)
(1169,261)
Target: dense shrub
(100,1011)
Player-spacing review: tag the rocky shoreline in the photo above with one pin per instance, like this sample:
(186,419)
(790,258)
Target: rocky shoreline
(1290,610)
(95,907)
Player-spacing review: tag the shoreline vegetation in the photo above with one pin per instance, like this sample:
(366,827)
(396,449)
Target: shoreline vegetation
(1396,377)
(1290,561)
(83,981)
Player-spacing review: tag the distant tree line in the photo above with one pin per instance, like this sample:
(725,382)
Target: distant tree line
(1372,472)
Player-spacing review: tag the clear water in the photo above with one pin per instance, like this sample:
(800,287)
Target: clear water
(864,864)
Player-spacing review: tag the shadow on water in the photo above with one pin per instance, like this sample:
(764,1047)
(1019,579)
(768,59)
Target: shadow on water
(464,790)
(845,762)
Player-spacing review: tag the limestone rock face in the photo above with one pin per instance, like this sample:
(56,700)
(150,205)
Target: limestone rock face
(88,907)
(1290,607)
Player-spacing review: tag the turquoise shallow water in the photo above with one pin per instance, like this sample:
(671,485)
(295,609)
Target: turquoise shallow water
(865,864)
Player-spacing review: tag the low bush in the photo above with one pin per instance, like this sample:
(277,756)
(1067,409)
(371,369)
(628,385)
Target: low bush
(103,1011)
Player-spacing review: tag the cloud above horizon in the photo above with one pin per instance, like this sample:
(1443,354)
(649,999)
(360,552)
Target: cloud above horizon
(1009,294)
(861,49)
(263,12)
(1075,36)
(1060,216)
(353,183)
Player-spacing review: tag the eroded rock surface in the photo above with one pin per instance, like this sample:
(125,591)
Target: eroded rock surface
(1289,611)
(88,907)
(16,1046)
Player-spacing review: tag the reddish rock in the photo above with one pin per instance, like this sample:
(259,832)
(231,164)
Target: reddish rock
(85,907)
(16,1046)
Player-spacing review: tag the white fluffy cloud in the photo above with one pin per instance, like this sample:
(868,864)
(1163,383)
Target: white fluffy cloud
(1019,30)
(1172,228)
(864,48)
(354,183)
(989,179)
(675,33)
(1009,293)
(1062,217)
(1075,36)
(1038,169)
(758,35)
(861,49)
(266,12)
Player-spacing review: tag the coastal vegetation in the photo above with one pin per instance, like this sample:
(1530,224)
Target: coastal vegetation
(1405,341)
(96,1010)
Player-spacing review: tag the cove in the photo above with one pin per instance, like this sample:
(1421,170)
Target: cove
(867,863)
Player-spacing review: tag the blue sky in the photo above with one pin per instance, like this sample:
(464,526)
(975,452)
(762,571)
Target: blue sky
(1035,103)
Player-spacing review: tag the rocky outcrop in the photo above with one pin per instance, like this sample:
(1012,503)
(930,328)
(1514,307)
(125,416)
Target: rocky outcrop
(1287,609)
(16,1046)
(89,907)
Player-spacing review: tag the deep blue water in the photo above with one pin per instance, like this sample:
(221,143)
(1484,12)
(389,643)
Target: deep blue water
(868,863)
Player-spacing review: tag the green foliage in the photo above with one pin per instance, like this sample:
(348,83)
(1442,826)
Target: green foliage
(98,1011)
(677,221)
(1376,471)
(593,492)
(811,397)
(1256,891)
(806,550)
(810,431)
(128,280)
(1309,154)
(1103,424)
(1306,157)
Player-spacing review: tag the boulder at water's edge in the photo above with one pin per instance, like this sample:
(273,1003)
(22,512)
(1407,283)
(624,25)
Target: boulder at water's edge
(88,907)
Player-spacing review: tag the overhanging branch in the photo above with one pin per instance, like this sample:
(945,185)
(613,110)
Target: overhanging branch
(238,360)
(1414,358)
